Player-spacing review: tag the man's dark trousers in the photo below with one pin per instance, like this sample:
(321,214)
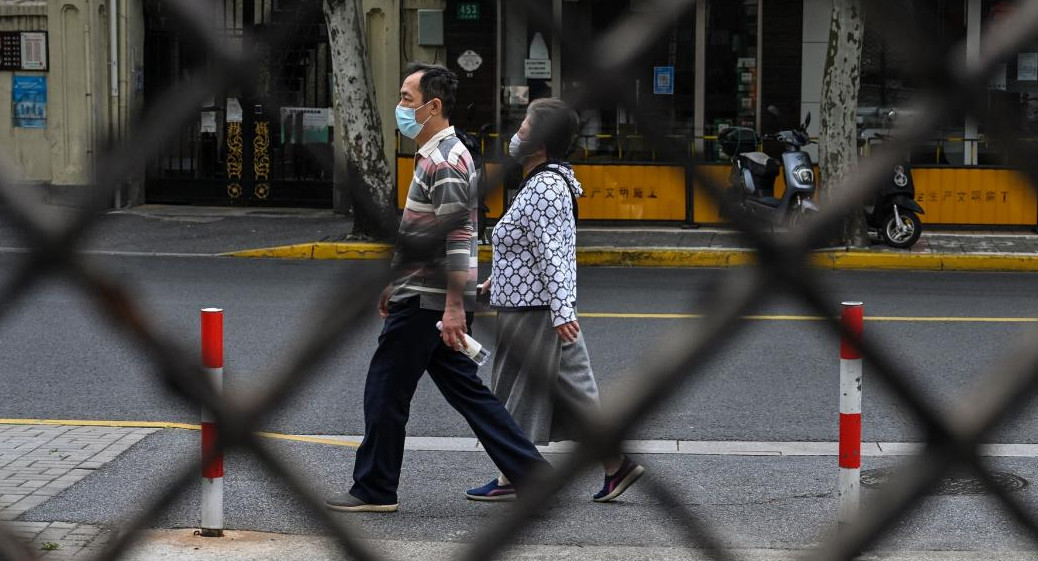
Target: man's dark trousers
(409,345)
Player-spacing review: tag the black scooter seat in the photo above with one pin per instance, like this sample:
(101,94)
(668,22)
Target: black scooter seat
(760,165)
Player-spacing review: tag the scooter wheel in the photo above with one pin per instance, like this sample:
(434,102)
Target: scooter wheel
(799,218)
(904,236)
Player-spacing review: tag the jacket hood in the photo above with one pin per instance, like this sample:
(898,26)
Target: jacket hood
(567,170)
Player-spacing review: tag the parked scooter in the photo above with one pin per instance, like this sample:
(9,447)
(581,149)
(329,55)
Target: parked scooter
(892,212)
(752,180)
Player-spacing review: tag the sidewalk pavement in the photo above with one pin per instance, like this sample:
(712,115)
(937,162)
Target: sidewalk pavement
(320,234)
(37,462)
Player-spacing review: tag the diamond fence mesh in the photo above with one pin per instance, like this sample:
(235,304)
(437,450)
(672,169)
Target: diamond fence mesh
(953,436)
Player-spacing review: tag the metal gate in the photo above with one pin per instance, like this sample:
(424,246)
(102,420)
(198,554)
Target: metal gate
(267,144)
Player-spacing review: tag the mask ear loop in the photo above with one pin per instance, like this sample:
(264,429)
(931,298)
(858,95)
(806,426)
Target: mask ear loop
(421,106)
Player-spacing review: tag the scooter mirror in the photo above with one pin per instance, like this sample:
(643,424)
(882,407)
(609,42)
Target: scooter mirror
(807,121)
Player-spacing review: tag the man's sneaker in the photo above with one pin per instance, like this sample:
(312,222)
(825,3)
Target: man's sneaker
(492,491)
(617,483)
(348,503)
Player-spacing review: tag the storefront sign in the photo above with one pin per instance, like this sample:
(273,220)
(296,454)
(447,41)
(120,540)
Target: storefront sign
(468,11)
(23,50)
(306,125)
(1027,67)
(663,80)
(470,61)
(234,112)
(29,96)
(208,122)
(517,95)
(538,69)
(34,50)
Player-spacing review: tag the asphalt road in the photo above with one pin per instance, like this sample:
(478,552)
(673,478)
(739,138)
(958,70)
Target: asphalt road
(60,358)
(776,379)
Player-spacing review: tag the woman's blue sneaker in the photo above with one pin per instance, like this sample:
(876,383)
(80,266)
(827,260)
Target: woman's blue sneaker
(492,492)
(617,483)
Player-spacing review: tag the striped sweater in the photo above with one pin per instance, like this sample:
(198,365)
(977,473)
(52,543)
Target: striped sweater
(437,232)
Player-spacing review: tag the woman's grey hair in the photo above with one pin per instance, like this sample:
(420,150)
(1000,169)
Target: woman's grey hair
(554,124)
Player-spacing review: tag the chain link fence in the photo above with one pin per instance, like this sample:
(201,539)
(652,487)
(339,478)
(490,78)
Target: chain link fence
(955,88)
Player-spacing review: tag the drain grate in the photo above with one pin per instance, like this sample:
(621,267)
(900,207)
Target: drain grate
(956,483)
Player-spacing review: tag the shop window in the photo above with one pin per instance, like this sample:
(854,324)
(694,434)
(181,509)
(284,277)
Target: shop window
(1012,91)
(659,86)
(889,81)
(731,68)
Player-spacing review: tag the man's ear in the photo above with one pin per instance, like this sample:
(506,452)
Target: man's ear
(437,106)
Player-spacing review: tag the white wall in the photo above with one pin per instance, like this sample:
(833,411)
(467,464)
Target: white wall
(382,25)
(817,14)
(80,113)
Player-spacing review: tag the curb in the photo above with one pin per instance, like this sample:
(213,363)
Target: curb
(836,259)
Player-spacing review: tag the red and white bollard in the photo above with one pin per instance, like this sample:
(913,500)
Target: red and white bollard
(853,320)
(212,472)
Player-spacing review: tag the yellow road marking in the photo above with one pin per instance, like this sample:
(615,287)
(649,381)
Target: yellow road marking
(94,423)
(169,425)
(310,439)
(934,319)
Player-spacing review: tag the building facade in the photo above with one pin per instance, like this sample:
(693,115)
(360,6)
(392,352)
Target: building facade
(718,64)
(71,75)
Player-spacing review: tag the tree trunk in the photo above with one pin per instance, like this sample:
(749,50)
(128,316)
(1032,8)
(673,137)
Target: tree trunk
(368,179)
(838,145)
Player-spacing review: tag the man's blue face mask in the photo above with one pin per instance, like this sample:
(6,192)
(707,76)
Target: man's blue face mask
(406,122)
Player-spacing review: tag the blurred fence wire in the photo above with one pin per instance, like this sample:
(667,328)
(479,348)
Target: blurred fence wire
(954,88)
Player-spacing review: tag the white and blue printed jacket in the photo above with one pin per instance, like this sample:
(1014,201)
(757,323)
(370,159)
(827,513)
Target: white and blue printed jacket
(535,246)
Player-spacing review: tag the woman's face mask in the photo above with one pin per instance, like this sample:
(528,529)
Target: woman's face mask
(513,147)
(406,121)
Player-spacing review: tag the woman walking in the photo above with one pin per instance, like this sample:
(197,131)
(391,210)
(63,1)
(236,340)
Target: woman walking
(540,356)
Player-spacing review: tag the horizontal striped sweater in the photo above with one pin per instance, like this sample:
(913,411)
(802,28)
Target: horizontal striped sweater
(437,233)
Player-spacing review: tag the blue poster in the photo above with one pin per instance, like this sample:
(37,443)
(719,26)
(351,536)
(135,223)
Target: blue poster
(29,94)
(663,80)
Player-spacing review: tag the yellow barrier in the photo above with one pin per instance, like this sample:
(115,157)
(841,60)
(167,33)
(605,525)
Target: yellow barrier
(964,196)
(611,191)
(961,196)
(981,196)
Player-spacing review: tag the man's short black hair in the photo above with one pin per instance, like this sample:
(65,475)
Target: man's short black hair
(437,81)
(554,124)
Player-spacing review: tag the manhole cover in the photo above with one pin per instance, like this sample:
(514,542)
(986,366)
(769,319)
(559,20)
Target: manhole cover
(955,483)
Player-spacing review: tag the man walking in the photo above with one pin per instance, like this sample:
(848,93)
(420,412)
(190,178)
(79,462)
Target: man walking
(438,227)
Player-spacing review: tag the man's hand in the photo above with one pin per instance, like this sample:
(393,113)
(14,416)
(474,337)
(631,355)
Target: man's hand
(568,332)
(454,328)
(383,301)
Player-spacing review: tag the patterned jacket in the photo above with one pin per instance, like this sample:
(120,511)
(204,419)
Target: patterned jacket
(535,246)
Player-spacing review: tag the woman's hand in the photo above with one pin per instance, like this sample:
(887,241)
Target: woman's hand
(483,293)
(568,332)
